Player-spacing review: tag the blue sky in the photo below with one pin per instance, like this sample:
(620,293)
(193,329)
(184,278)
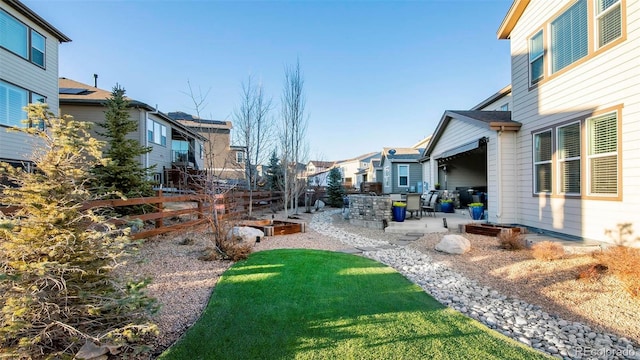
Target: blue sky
(377,73)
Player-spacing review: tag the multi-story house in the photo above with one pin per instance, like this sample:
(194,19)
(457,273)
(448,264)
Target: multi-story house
(350,169)
(28,74)
(221,159)
(572,167)
(174,147)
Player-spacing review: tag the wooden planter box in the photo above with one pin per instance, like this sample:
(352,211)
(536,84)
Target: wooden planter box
(489,230)
(277,228)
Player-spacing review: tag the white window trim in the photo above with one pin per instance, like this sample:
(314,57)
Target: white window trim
(561,160)
(533,81)
(399,176)
(32,46)
(28,42)
(159,138)
(536,163)
(589,157)
(596,28)
(31,97)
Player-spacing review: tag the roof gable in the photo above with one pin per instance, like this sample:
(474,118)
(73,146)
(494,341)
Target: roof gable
(31,15)
(511,19)
(83,94)
(493,120)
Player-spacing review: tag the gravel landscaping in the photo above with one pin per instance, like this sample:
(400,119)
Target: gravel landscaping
(538,303)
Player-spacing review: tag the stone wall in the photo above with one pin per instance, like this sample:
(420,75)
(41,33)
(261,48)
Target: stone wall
(369,211)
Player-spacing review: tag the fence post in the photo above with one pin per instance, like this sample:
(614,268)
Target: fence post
(160,207)
(200,211)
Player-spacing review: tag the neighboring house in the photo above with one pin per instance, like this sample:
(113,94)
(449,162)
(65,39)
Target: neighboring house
(222,159)
(350,168)
(462,151)
(401,170)
(28,74)
(320,179)
(572,166)
(422,143)
(316,166)
(173,145)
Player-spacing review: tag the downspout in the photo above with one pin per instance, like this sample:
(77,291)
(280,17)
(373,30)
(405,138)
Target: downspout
(146,140)
(499,192)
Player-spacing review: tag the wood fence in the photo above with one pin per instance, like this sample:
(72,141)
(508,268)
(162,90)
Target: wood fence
(232,204)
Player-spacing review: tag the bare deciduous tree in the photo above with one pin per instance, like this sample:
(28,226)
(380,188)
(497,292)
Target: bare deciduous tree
(253,128)
(293,133)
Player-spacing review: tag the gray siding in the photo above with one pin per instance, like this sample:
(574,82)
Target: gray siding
(415,176)
(22,73)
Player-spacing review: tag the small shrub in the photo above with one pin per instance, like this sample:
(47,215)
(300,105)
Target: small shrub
(511,240)
(623,263)
(187,241)
(593,272)
(547,251)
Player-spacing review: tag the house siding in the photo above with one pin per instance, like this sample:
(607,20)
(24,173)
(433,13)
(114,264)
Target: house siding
(159,155)
(23,73)
(415,176)
(502,179)
(606,80)
(457,133)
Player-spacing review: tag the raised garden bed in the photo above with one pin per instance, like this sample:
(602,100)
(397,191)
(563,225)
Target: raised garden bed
(490,230)
(275,227)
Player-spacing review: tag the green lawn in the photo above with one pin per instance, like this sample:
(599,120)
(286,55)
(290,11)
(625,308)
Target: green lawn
(308,304)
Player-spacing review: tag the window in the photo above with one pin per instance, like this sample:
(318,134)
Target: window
(608,21)
(13,34)
(201,151)
(504,107)
(569,36)
(156,133)
(387,176)
(569,158)
(37,48)
(239,157)
(180,151)
(403,175)
(21,40)
(542,162)
(602,154)
(12,101)
(536,58)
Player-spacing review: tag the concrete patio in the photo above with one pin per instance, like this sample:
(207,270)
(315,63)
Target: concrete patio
(430,223)
(455,221)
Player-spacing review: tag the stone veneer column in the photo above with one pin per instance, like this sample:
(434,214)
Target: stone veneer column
(369,211)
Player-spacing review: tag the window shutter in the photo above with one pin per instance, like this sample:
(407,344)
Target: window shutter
(569,36)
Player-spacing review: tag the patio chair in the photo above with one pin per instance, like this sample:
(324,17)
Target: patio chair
(413,204)
(429,206)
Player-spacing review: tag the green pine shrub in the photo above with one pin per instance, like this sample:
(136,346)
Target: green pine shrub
(56,292)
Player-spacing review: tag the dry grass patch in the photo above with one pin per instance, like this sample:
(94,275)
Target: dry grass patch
(547,251)
(552,285)
(624,263)
(511,240)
